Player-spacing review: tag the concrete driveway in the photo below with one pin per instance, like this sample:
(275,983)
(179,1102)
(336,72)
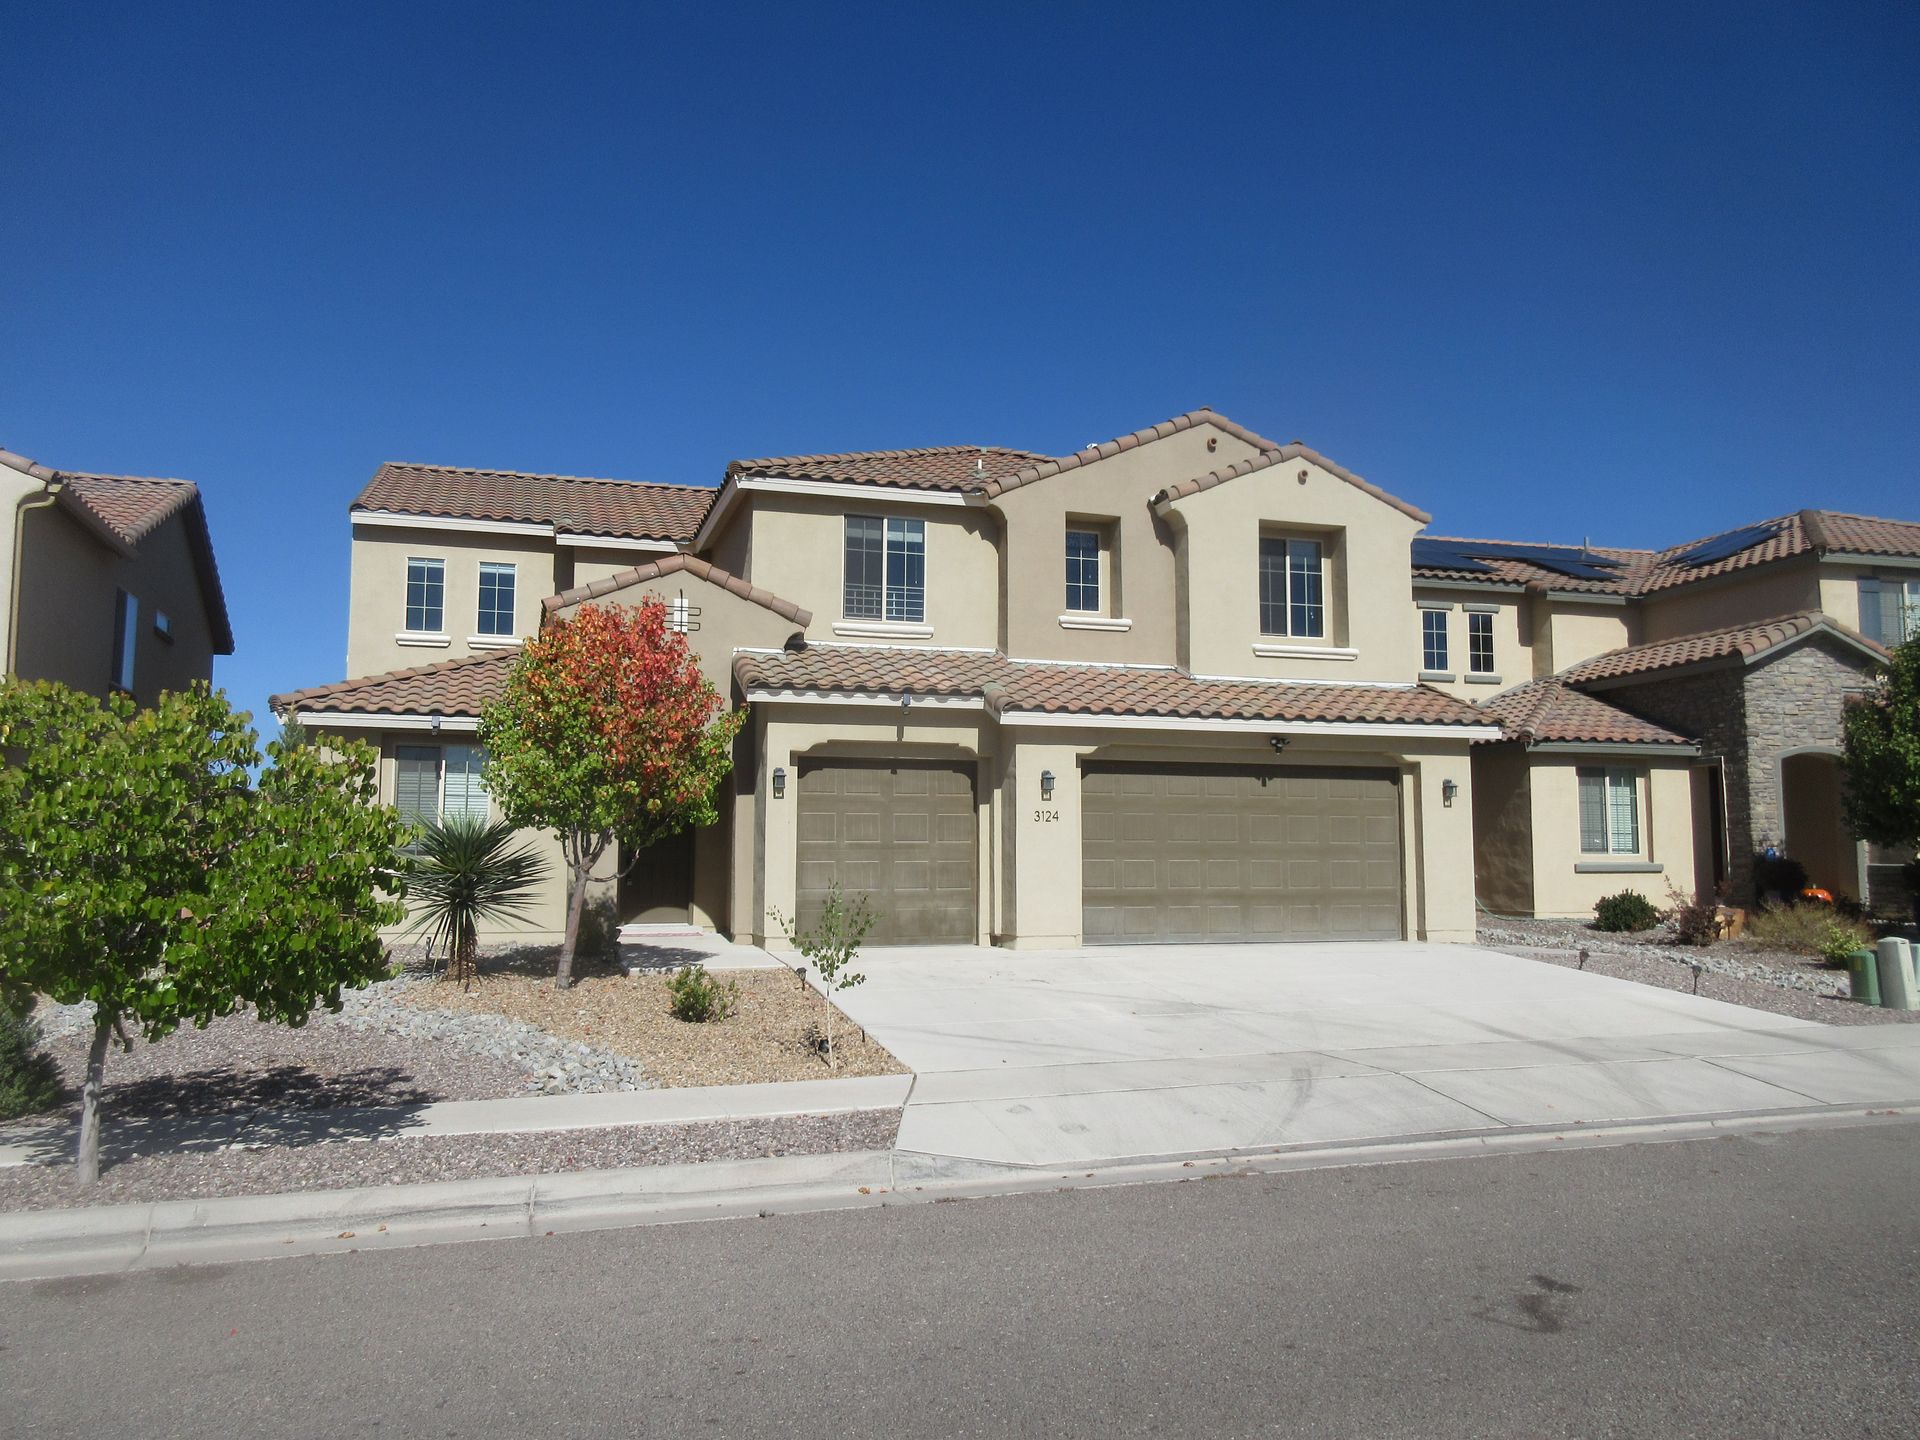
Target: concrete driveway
(1068,1057)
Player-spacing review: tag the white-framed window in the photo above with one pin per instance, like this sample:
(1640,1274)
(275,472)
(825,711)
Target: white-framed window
(1889,610)
(1083,571)
(1479,642)
(1433,640)
(496,598)
(126,639)
(1609,810)
(886,569)
(434,781)
(426,595)
(1292,588)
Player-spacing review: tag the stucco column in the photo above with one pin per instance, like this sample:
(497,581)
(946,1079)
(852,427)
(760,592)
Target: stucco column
(1044,838)
(779,835)
(1440,862)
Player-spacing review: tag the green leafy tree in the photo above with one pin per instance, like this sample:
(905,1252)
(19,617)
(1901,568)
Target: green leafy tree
(142,868)
(608,734)
(467,872)
(831,945)
(1882,748)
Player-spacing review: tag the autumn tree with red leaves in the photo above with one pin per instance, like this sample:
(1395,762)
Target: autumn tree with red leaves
(608,734)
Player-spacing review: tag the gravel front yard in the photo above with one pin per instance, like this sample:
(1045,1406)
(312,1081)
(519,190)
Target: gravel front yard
(1736,971)
(342,1165)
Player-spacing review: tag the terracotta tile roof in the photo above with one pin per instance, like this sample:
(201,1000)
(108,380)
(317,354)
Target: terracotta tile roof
(1544,711)
(1280,456)
(572,504)
(1060,689)
(937,467)
(452,688)
(672,564)
(1743,642)
(1043,468)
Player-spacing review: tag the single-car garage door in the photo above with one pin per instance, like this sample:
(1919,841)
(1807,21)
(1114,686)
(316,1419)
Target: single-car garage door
(903,834)
(1187,853)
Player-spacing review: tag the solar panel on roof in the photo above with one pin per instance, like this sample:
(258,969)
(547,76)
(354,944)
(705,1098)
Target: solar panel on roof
(1723,547)
(1467,556)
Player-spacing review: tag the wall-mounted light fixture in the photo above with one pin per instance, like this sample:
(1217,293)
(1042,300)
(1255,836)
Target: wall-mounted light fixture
(1279,743)
(1448,789)
(1046,784)
(906,699)
(779,782)
(435,722)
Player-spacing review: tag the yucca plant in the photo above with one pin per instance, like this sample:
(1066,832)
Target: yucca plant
(467,871)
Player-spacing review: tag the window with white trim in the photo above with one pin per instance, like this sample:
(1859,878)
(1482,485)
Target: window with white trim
(496,598)
(1479,642)
(1292,588)
(885,570)
(426,595)
(1433,640)
(1083,571)
(1889,610)
(126,639)
(1609,810)
(432,782)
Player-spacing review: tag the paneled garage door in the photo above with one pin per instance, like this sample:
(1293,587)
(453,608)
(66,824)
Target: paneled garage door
(1256,853)
(904,834)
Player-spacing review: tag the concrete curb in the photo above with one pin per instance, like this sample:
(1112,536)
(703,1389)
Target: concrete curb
(108,1239)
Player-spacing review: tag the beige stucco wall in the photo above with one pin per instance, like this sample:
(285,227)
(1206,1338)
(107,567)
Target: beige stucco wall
(1368,577)
(584,564)
(14,488)
(799,554)
(1512,647)
(377,605)
(1580,631)
(1782,588)
(1137,575)
(68,580)
(1666,833)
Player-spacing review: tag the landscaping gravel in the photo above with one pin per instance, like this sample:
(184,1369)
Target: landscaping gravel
(1735,971)
(342,1165)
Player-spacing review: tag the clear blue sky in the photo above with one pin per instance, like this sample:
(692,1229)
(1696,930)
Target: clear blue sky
(1546,270)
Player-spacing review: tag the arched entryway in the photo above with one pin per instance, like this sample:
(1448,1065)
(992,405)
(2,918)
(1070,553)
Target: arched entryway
(1816,830)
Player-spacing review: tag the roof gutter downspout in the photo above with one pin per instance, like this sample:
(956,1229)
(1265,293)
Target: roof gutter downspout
(51,483)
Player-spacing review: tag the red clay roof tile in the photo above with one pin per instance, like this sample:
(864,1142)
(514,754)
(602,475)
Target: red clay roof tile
(572,504)
(455,688)
(1543,711)
(673,564)
(1736,641)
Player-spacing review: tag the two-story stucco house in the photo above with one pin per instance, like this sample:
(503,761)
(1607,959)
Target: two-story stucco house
(1190,684)
(109,581)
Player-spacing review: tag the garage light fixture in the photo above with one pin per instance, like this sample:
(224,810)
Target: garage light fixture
(1447,791)
(1046,784)
(779,782)
(1279,743)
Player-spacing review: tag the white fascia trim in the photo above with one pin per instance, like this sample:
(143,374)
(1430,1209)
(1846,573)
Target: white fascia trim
(495,642)
(617,542)
(443,522)
(1894,562)
(834,489)
(1585,597)
(1094,622)
(1638,750)
(1305,652)
(320,719)
(431,640)
(1394,731)
(1312,680)
(884,629)
(918,649)
(1421,582)
(1091,664)
(864,697)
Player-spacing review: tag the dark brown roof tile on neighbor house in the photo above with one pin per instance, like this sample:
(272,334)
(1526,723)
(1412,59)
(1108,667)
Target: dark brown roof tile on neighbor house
(131,506)
(1020,686)
(572,504)
(1547,711)
(451,687)
(935,467)
(1736,641)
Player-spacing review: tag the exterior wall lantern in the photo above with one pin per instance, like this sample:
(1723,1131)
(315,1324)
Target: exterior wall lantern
(1278,742)
(1448,789)
(1046,784)
(779,782)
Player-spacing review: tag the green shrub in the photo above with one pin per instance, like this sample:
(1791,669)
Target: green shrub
(1809,930)
(698,997)
(28,1080)
(1629,910)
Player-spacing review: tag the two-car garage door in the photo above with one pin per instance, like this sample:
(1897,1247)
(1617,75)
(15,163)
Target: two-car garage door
(1218,853)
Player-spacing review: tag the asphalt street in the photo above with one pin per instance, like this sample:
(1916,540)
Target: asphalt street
(1729,1287)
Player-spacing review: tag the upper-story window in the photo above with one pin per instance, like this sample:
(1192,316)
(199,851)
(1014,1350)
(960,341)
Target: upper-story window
(1609,811)
(1083,571)
(1479,642)
(1292,588)
(1889,610)
(496,598)
(126,639)
(432,782)
(1433,640)
(886,569)
(426,595)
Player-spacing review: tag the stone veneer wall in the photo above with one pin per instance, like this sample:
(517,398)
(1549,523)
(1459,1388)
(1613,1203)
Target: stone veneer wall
(1748,717)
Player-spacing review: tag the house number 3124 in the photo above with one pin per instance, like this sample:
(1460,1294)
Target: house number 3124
(1046,817)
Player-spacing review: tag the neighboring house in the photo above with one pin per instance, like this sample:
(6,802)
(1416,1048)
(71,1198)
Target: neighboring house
(109,581)
(1190,684)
